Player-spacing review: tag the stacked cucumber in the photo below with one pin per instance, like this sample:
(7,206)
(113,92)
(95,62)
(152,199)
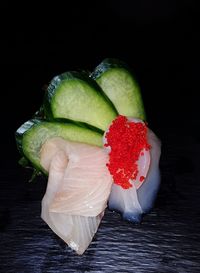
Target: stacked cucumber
(80,107)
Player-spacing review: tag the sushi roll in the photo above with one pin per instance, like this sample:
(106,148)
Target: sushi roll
(77,192)
(134,153)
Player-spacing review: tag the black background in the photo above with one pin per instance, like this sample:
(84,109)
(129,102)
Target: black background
(159,40)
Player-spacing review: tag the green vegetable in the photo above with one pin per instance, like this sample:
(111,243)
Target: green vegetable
(33,133)
(75,96)
(119,84)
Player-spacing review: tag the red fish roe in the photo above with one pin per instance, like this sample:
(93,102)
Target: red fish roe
(126,139)
(142,178)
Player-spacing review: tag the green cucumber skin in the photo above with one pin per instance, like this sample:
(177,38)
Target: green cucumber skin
(21,130)
(49,101)
(106,73)
(34,133)
(107,64)
(80,124)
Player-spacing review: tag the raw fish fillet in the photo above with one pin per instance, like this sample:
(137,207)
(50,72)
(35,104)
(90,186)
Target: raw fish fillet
(132,203)
(78,188)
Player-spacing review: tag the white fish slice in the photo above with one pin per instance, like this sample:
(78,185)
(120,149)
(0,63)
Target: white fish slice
(78,188)
(148,191)
(132,203)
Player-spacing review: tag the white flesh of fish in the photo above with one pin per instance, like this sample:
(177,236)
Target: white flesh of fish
(132,203)
(78,188)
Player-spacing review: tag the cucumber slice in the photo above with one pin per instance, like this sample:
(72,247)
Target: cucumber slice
(119,84)
(33,133)
(75,96)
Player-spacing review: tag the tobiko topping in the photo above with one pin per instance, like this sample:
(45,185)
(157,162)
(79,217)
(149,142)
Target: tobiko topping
(126,139)
(142,178)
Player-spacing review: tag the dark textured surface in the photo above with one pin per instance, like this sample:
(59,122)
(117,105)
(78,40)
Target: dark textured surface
(168,239)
